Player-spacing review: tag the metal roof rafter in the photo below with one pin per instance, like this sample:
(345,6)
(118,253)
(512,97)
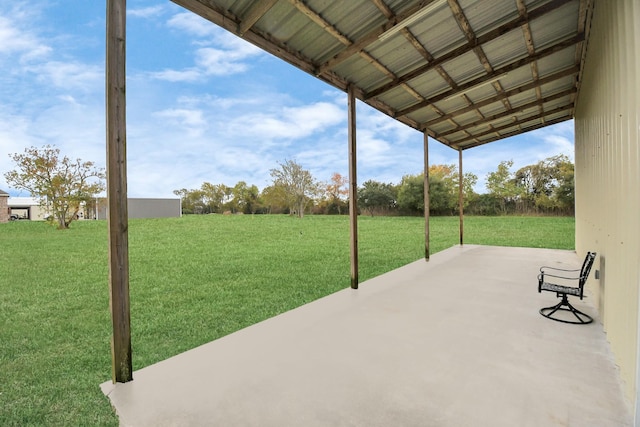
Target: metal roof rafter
(506,69)
(513,110)
(510,92)
(516,122)
(491,35)
(518,132)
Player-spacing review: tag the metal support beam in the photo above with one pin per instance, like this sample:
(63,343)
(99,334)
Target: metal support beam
(117,220)
(426,197)
(461,195)
(353,187)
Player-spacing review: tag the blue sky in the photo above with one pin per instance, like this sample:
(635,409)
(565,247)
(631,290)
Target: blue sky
(202,105)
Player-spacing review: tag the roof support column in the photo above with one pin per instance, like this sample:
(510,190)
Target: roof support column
(426,197)
(353,187)
(461,196)
(117,220)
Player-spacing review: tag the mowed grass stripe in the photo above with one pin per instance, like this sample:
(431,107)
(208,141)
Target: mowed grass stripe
(193,279)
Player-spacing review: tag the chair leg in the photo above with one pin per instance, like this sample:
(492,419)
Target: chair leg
(564,305)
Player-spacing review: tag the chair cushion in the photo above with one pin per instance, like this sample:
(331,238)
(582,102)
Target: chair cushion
(560,289)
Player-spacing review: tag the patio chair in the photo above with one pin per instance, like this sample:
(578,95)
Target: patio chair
(562,289)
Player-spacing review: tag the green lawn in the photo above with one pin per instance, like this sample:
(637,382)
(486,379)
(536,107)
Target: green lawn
(193,279)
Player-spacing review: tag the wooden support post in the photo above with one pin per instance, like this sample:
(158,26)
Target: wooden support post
(353,187)
(117,219)
(426,197)
(461,196)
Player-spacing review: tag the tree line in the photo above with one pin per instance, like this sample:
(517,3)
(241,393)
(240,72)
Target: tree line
(294,190)
(542,188)
(64,185)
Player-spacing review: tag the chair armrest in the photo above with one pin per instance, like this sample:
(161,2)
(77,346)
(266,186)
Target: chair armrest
(559,273)
(556,269)
(541,277)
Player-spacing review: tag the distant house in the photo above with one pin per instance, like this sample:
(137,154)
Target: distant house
(30,208)
(26,208)
(143,208)
(5,212)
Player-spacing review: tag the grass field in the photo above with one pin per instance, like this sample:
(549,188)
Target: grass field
(192,280)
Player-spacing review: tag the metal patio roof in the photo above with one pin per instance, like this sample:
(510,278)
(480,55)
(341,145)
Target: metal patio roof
(467,72)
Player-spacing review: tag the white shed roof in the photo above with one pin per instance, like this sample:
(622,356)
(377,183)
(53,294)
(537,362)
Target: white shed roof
(15,202)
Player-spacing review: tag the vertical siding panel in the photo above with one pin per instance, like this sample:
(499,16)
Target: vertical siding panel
(634,127)
(615,319)
(630,324)
(631,127)
(608,176)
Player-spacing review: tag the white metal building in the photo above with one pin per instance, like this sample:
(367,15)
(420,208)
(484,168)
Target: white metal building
(27,208)
(144,208)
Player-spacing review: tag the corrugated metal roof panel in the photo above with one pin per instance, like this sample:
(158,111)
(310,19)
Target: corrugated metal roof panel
(398,96)
(468,117)
(482,16)
(552,27)
(492,109)
(439,34)
(396,55)
(430,55)
(465,67)
(558,61)
(238,8)
(506,49)
(360,69)
(429,84)
(353,18)
(423,115)
(523,98)
(518,77)
(453,103)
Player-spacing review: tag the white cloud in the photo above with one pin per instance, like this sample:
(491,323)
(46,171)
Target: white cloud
(316,115)
(220,103)
(226,140)
(192,24)
(217,62)
(558,139)
(231,42)
(188,75)
(166,159)
(374,151)
(209,61)
(207,33)
(381,124)
(192,121)
(146,12)
(562,144)
(219,53)
(76,129)
(286,123)
(72,75)
(15,40)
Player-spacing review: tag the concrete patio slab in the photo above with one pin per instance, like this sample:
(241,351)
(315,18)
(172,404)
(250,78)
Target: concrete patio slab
(457,341)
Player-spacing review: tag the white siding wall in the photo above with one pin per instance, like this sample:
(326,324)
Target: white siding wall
(608,175)
(145,208)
